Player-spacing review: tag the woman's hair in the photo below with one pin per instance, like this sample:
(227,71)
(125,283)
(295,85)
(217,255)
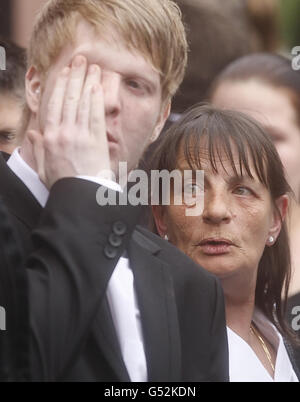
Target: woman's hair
(272,69)
(231,132)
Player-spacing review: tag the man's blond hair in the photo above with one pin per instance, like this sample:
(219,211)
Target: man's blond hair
(152,27)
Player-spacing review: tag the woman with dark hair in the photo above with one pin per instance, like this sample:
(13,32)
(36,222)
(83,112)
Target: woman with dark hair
(240,236)
(266,87)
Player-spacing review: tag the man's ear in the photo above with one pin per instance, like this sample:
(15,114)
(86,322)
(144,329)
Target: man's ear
(279,215)
(33,89)
(159,219)
(166,109)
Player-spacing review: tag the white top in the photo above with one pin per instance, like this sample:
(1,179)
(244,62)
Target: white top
(120,291)
(245,366)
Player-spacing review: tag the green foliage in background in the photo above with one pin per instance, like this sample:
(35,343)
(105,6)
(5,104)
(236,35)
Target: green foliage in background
(290,22)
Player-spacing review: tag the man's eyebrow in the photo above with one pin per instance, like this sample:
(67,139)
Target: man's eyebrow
(273,130)
(128,72)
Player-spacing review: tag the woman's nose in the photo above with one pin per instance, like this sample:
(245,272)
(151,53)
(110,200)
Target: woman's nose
(217,208)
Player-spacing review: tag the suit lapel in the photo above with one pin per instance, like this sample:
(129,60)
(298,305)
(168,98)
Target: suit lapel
(157,305)
(106,337)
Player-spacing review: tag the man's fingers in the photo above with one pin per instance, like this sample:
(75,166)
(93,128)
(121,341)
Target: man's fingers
(97,115)
(93,78)
(56,101)
(98,127)
(74,89)
(37,142)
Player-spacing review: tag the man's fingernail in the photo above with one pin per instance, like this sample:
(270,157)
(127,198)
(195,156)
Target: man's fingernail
(78,61)
(96,88)
(93,69)
(66,71)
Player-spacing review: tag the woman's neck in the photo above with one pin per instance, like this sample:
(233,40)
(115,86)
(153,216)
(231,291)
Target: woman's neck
(239,316)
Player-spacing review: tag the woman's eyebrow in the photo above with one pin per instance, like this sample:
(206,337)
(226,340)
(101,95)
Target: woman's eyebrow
(244,179)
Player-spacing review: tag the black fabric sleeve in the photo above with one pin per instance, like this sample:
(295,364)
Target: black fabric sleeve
(219,343)
(68,272)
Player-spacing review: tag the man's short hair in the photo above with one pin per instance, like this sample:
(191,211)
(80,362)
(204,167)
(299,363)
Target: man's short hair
(153,27)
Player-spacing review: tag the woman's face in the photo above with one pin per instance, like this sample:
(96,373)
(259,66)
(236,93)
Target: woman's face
(273,108)
(234,228)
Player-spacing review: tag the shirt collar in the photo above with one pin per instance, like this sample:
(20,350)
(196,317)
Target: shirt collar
(29,177)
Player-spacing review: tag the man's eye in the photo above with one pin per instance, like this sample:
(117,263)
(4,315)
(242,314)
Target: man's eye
(7,136)
(133,84)
(277,138)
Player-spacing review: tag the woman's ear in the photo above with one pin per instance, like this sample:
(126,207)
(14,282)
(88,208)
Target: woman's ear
(159,219)
(279,215)
(33,89)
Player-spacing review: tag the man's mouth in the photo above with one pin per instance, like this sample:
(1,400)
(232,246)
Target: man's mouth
(111,138)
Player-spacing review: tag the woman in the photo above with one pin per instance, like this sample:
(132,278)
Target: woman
(240,235)
(267,88)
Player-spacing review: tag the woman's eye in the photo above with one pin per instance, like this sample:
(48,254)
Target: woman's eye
(193,189)
(242,191)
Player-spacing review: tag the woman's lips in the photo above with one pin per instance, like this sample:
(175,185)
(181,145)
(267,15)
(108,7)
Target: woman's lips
(215,246)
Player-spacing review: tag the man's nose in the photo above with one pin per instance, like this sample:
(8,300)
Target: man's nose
(217,208)
(111,89)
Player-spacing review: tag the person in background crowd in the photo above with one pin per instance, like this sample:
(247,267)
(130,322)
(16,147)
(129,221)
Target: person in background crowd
(12,85)
(240,236)
(219,32)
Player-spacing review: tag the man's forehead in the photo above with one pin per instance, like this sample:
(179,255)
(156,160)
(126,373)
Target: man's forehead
(99,45)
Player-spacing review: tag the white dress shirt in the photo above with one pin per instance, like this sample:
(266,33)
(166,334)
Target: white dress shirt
(120,291)
(245,366)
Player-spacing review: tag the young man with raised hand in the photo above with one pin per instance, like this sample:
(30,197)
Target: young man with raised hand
(109,301)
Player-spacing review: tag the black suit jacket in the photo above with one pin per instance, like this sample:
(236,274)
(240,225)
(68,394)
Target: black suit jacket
(73,246)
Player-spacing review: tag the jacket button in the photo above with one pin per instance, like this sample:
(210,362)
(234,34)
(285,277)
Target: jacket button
(119,228)
(110,252)
(114,240)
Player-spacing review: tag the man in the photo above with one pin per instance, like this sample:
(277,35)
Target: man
(108,301)
(11,94)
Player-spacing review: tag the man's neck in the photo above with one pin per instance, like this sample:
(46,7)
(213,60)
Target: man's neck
(26,153)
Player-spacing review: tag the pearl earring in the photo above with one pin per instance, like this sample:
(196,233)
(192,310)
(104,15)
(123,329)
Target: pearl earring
(166,237)
(271,239)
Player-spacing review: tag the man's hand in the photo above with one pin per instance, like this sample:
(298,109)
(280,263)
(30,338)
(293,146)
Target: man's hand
(74,140)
